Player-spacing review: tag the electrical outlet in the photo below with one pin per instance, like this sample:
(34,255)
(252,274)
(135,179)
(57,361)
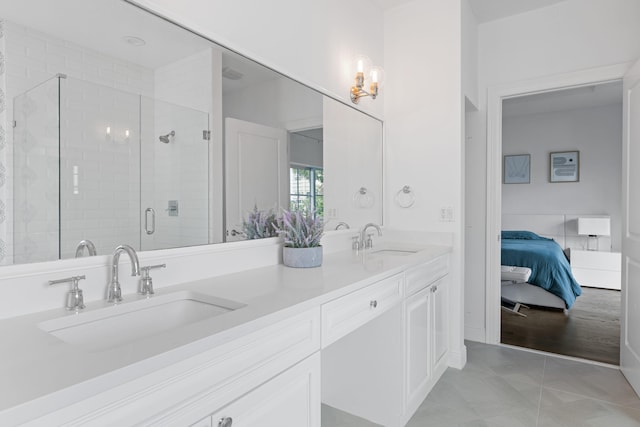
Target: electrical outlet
(331,213)
(446,214)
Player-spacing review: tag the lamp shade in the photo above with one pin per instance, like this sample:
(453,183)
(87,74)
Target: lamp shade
(592,226)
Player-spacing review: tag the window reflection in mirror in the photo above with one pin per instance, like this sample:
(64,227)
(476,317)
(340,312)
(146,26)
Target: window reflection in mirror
(149,135)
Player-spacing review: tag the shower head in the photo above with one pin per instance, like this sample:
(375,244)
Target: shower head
(165,138)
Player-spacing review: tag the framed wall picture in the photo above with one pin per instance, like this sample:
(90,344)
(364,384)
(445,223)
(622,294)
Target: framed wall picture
(564,166)
(517,169)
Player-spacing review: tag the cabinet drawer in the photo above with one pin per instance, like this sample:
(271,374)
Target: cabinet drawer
(423,275)
(292,399)
(345,314)
(597,278)
(595,260)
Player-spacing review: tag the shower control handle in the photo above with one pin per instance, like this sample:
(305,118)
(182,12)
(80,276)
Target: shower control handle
(146,221)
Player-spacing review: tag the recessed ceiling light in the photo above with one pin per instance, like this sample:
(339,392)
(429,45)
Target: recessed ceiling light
(134,41)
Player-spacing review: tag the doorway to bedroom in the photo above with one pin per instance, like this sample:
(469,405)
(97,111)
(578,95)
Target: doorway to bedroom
(562,156)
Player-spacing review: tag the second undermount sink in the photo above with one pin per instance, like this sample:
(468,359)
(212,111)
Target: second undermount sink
(113,326)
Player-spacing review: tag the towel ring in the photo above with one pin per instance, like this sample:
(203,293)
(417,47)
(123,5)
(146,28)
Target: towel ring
(363,198)
(405,197)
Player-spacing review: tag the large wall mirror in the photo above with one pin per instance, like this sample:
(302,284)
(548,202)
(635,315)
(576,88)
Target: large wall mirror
(117,126)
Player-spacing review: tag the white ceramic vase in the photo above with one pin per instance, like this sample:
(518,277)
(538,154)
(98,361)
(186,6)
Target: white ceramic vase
(302,257)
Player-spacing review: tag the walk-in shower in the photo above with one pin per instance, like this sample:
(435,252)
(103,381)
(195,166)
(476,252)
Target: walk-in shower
(88,166)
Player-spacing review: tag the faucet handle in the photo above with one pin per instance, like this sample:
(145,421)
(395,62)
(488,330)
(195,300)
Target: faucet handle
(369,243)
(146,283)
(355,244)
(75,299)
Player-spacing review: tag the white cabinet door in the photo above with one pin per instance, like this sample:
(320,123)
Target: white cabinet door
(426,342)
(440,300)
(630,316)
(418,319)
(292,399)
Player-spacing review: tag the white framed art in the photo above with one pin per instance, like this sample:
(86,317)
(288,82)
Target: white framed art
(517,169)
(564,166)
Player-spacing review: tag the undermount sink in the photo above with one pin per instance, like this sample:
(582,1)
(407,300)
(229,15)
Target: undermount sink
(116,325)
(395,252)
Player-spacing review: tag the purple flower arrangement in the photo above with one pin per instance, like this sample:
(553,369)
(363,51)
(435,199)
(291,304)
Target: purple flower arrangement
(300,229)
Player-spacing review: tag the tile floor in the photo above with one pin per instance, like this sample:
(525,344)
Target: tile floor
(501,386)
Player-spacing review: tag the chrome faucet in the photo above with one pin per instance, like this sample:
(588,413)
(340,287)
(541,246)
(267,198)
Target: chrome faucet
(114,293)
(342,224)
(86,243)
(368,243)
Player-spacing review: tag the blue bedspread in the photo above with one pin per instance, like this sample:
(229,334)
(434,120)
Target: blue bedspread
(549,266)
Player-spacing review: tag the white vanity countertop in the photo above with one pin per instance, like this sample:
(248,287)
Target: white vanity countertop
(41,373)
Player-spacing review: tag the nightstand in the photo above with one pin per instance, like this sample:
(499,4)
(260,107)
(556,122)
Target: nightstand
(596,269)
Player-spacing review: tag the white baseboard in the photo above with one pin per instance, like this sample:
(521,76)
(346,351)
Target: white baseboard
(458,360)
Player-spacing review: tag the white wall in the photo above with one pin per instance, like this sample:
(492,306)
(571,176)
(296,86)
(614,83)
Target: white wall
(472,247)
(423,127)
(475,206)
(469,53)
(297,106)
(570,36)
(352,159)
(597,134)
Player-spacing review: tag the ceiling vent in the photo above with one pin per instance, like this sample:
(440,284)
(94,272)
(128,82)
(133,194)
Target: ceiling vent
(231,74)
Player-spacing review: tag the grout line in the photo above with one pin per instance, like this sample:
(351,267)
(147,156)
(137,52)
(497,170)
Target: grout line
(544,368)
(606,402)
(561,356)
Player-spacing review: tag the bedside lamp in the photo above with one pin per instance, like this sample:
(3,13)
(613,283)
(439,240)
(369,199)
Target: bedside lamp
(594,227)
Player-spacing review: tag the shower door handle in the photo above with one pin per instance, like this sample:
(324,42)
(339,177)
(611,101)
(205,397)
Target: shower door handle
(153,220)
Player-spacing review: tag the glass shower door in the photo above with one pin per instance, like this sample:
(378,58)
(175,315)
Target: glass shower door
(174,176)
(36,208)
(99,167)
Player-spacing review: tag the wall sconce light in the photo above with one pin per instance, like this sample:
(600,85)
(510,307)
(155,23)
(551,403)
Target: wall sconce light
(365,71)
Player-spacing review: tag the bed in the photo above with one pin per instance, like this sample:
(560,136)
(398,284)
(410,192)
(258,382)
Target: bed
(551,283)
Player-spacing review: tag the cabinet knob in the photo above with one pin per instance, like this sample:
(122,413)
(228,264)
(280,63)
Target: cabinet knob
(373,304)
(225,422)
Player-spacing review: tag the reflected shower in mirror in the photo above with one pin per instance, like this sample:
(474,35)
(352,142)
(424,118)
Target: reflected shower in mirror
(147,134)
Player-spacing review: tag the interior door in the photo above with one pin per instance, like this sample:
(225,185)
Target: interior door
(630,319)
(257,171)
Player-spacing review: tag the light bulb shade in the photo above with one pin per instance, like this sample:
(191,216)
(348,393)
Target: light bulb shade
(362,64)
(594,226)
(377,75)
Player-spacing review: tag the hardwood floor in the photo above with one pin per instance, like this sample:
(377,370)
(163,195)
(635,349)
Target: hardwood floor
(590,330)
